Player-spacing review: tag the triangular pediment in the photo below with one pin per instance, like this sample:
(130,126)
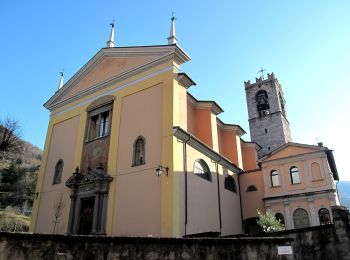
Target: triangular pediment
(111,64)
(291,149)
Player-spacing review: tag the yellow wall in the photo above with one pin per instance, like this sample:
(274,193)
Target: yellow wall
(162,104)
(137,194)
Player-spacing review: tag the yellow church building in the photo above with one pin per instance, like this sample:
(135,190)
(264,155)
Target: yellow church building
(129,152)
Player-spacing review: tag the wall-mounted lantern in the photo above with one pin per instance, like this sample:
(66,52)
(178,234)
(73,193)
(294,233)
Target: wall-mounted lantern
(161,169)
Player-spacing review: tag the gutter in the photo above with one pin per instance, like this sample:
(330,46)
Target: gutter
(185,171)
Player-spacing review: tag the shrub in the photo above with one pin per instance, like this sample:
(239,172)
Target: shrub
(268,223)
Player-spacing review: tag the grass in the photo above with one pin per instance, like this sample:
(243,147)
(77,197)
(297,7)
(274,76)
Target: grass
(13,222)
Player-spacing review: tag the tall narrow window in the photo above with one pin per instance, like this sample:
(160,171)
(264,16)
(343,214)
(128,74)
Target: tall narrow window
(301,218)
(275,181)
(139,151)
(58,172)
(201,169)
(294,175)
(230,184)
(324,216)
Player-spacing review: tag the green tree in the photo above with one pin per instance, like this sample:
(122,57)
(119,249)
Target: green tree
(268,222)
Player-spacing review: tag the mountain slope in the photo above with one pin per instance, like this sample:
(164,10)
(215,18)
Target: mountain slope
(344,193)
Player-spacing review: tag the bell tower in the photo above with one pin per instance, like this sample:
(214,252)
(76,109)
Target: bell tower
(268,122)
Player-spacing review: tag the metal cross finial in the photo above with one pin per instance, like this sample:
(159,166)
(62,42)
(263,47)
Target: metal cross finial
(62,73)
(112,23)
(172,16)
(262,72)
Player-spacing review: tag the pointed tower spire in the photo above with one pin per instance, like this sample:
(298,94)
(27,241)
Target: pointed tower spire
(172,37)
(60,84)
(110,42)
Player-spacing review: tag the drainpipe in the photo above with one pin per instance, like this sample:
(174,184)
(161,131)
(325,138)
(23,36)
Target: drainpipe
(185,171)
(218,182)
(240,201)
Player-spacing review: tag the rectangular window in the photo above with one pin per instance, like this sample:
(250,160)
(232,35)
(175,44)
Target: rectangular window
(99,123)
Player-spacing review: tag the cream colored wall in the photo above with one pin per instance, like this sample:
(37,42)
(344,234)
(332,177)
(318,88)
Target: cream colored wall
(62,146)
(137,199)
(203,208)
(230,205)
(253,200)
(203,211)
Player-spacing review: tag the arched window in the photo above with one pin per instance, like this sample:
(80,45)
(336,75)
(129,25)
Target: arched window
(230,184)
(262,101)
(294,175)
(324,216)
(251,188)
(201,169)
(280,217)
(301,218)
(139,151)
(275,181)
(58,172)
(316,171)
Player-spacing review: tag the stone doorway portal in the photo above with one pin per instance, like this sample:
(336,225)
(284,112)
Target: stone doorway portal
(89,195)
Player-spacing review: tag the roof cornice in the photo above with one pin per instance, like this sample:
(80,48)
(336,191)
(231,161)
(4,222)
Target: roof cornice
(251,144)
(203,148)
(230,127)
(166,53)
(212,105)
(184,80)
(283,146)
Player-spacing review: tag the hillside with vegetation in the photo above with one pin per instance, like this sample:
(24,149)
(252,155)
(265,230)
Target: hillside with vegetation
(344,193)
(19,165)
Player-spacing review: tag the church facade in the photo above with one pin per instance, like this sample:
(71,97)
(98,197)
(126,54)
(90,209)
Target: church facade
(129,152)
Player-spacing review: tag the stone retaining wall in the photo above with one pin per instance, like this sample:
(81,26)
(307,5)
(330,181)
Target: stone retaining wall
(323,242)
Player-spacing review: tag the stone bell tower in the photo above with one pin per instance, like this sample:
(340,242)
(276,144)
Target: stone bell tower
(268,122)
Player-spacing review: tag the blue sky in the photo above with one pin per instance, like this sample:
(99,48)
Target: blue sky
(305,43)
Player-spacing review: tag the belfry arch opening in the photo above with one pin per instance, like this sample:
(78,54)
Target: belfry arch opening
(263,105)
